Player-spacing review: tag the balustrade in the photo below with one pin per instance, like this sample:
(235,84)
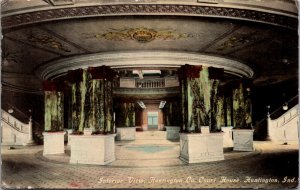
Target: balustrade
(153,83)
(146,82)
(13,122)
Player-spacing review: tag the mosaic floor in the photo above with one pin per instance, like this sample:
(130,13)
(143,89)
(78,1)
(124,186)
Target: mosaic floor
(153,163)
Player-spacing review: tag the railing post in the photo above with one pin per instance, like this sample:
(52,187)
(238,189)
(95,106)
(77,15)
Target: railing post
(30,136)
(268,138)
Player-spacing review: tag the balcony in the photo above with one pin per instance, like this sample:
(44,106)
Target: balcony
(164,82)
(147,88)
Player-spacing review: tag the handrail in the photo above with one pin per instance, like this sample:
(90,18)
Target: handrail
(15,123)
(289,112)
(264,119)
(12,126)
(292,99)
(17,111)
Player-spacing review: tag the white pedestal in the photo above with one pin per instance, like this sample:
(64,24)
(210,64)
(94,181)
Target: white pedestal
(126,133)
(205,130)
(69,131)
(243,139)
(87,131)
(173,133)
(92,149)
(227,138)
(54,143)
(196,148)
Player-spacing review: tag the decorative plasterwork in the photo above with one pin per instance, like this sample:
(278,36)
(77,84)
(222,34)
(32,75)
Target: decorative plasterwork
(14,20)
(150,59)
(61,2)
(142,35)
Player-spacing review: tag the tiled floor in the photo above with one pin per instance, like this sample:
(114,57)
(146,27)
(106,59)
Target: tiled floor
(153,163)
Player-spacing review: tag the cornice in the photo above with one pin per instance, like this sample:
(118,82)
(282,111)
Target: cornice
(141,59)
(12,20)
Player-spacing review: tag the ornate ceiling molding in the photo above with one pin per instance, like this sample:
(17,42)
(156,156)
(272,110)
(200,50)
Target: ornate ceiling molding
(141,59)
(25,18)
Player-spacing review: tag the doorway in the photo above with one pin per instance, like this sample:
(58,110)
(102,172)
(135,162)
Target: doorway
(152,120)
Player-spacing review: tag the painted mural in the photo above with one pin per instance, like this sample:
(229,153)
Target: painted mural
(47,41)
(141,34)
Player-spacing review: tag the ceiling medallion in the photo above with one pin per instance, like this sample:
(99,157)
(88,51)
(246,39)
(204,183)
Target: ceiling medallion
(141,34)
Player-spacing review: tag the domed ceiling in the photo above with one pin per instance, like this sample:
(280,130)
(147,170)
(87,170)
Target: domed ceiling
(271,50)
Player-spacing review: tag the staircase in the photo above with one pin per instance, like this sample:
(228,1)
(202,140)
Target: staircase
(16,132)
(285,128)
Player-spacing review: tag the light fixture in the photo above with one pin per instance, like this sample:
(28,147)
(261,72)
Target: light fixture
(286,61)
(10,110)
(141,104)
(162,104)
(268,108)
(285,106)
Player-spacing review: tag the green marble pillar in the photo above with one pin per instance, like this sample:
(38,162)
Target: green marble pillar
(54,107)
(100,92)
(242,116)
(79,80)
(92,99)
(199,100)
(220,113)
(228,104)
(191,103)
(172,114)
(125,114)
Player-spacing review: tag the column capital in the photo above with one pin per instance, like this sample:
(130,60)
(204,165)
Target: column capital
(189,71)
(102,72)
(53,86)
(75,75)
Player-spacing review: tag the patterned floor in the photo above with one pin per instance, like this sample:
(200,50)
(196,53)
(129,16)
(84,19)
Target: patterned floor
(151,163)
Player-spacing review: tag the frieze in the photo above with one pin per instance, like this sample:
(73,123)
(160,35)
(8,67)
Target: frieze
(141,34)
(148,9)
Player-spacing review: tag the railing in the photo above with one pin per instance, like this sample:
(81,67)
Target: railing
(148,83)
(269,120)
(15,132)
(285,128)
(279,111)
(287,116)
(14,123)
(151,83)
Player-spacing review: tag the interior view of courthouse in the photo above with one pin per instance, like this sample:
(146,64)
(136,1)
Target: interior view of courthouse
(149,94)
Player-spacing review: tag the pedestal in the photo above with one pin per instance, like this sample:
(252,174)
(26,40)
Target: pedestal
(126,133)
(227,137)
(243,139)
(87,131)
(205,130)
(173,133)
(69,131)
(197,148)
(54,143)
(92,149)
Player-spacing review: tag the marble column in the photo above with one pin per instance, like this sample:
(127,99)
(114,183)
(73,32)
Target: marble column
(54,106)
(54,118)
(242,113)
(100,91)
(199,100)
(92,104)
(125,114)
(172,113)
